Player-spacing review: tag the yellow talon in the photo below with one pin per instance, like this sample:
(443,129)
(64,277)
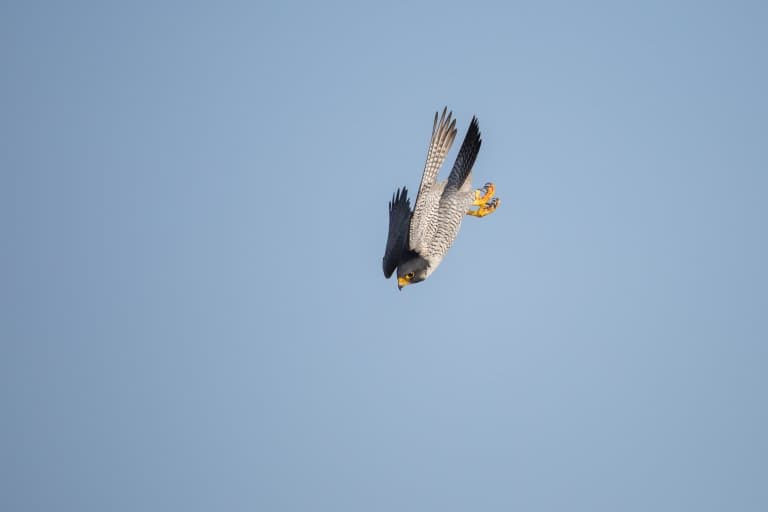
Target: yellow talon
(484,195)
(486,209)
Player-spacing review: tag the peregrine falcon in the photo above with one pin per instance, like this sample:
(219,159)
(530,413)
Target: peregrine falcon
(418,239)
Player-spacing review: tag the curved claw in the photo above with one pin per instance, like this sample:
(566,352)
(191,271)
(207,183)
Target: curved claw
(486,209)
(484,195)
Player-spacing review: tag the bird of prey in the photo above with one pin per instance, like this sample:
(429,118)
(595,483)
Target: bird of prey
(418,239)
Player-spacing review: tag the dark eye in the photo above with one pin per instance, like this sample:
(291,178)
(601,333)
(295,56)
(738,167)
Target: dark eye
(410,275)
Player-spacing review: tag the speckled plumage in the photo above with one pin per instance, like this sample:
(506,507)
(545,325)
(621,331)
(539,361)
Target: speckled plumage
(418,240)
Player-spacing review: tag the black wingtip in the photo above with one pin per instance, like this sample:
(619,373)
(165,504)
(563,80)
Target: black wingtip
(400,198)
(467,155)
(474,130)
(473,140)
(397,238)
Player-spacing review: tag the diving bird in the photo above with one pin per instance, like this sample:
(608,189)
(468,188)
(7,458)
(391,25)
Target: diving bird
(418,239)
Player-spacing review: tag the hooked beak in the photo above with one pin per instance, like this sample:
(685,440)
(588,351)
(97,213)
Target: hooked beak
(401,283)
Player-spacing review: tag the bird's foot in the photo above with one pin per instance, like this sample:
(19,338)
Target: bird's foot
(484,195)
(486,209)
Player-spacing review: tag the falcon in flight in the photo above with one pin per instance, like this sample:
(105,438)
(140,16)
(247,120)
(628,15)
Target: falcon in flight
(418,239)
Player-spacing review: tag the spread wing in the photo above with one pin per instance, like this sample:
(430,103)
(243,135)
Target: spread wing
(425,209)
(397,239)
(457,196)
(466,157)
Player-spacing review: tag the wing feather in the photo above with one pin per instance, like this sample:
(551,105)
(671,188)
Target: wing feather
(466,157)
(457,196)
(397,239)
(443,135)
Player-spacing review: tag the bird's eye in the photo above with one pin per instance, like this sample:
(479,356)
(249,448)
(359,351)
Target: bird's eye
(409,275)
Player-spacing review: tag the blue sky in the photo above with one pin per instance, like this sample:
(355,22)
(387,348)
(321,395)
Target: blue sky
(193,208)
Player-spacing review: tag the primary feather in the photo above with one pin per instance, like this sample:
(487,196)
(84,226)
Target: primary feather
(423,222)
(399,219)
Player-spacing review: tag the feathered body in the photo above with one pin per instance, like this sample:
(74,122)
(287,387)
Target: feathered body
(418,240)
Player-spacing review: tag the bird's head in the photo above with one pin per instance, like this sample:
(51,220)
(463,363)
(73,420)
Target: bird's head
(413,270)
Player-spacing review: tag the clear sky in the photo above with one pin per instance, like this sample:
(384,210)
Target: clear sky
(193,205)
